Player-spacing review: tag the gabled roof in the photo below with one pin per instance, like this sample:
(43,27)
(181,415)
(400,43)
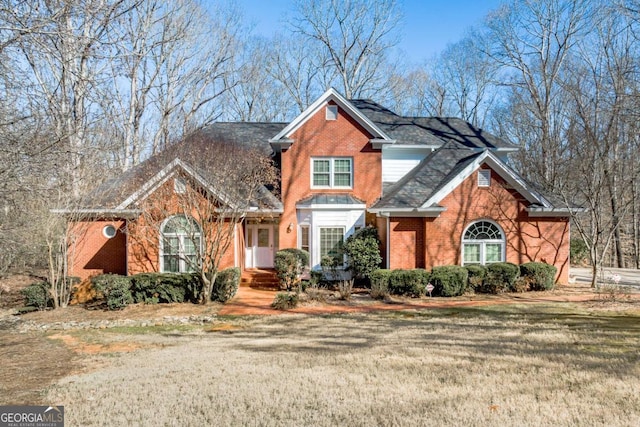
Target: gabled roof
(124,192)
(283,138)
(420,191)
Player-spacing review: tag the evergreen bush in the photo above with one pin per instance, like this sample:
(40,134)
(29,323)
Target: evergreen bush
(226,285)
(115,289)
(408,282)
(380,283)
(540,276)
(37,295)
(501,277)
(476,274)
(449,280)
(363,252)
(285,300)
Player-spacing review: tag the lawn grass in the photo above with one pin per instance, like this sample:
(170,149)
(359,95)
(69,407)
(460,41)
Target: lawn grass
(507,365)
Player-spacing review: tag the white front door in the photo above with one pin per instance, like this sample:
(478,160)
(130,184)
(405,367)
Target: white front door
(259,246)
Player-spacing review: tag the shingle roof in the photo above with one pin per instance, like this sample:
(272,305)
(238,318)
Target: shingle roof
(252,135)
(433,131)
(427,178)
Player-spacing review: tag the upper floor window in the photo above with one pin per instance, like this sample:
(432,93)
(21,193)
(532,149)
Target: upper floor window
(483,243)
(180,247)
(332,172)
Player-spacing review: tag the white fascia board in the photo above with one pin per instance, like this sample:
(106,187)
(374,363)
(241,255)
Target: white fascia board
(432,212)
(500,168)
(333,95)
(334,207)
(161,177)
(553,212)
(413,147)
(96,213)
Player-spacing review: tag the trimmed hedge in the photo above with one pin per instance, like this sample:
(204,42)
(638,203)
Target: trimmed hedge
(226,285)
(115,289)
(501,277)
(539,275)
(408,282)
(37,295)
(449,280)
(153,288)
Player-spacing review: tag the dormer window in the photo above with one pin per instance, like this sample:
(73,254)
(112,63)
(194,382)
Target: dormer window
(484,178)
(332,112)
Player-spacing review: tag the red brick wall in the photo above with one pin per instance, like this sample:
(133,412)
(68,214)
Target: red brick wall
(91,253)
(94,254)
(319,137)
(407,242)
(528,239)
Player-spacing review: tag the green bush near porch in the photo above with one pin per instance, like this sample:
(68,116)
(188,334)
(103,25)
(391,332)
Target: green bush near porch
(539,275)
(449,280)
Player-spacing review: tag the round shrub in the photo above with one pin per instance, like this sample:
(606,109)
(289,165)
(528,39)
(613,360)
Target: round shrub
(37,295)
(290,264)
(501,277)
(449,280)
(539,275)
(408,282)
(285,300)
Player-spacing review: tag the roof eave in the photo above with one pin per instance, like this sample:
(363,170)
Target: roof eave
(81,214)
(553,212)
(431,212)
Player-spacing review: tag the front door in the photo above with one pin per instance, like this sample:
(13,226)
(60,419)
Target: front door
(260,246)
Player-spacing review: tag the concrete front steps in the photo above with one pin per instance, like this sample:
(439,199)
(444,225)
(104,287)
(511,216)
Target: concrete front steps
(260,279)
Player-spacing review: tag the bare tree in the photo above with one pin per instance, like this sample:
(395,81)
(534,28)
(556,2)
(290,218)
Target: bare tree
(531,41)
(212,198)
(356,36)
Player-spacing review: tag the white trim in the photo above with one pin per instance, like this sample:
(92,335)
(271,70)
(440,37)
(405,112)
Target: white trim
(330,95)
(161,177)
(430,212)
(537,211)
(484,178)
(388,249)
(484,242)
(332,172)
(97,213)
(182,263)
(331,113)
(497,166)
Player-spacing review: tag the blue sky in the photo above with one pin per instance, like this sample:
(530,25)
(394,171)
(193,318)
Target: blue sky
(429,25)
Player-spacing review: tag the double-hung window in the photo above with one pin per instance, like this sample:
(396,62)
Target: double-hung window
(332,172)
(180,249)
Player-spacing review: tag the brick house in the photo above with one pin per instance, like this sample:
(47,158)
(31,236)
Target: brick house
(439,191)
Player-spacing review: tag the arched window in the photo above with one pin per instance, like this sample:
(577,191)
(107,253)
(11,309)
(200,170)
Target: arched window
(180,239)
(483,243)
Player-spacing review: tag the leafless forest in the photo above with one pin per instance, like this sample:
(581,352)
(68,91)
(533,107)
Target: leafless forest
(90,88)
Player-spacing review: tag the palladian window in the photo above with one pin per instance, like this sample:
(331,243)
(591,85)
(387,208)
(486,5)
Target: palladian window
(180,247)
(483,243)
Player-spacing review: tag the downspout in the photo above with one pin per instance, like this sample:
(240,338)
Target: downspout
(388,249)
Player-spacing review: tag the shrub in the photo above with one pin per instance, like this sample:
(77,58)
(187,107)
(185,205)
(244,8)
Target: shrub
(37,295)
(285,300)
(408,282)
(540,276)
(226,285)
(578,251)
(380,283)
(476,274)
(152,288)
(363,252)
(290,264)
(115,289)
(501,277)
(449,280)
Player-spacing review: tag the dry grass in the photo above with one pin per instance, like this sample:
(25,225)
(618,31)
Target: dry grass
(493,366)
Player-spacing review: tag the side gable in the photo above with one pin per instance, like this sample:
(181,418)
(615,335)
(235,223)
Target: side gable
(283,140)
